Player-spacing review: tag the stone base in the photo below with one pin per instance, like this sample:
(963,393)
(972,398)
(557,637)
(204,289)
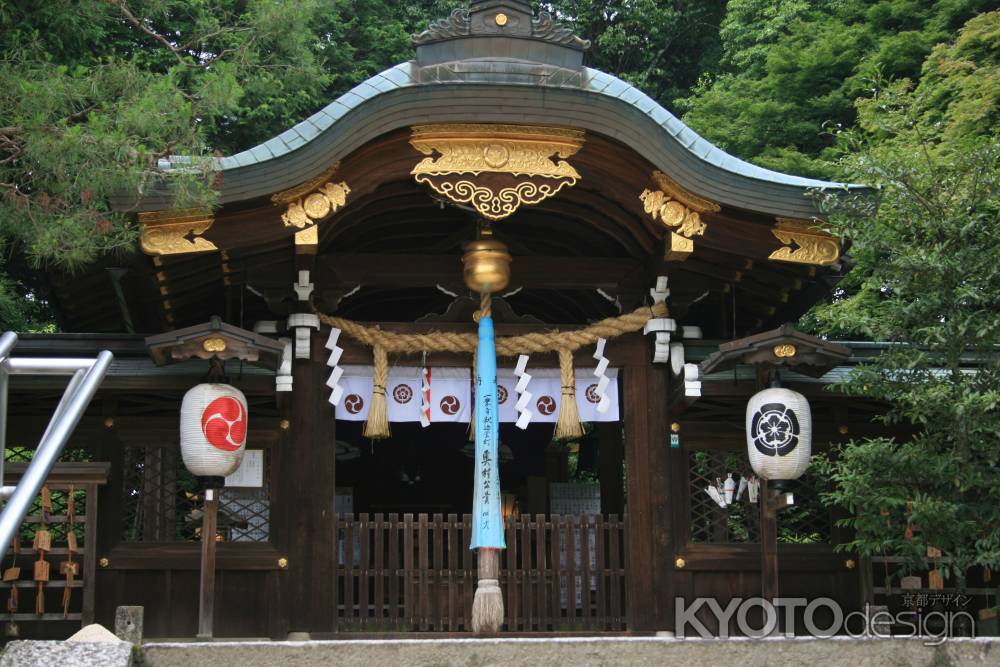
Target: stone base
(579,652)
(66,654)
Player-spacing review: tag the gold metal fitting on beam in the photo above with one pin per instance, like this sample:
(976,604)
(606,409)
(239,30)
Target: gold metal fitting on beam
(804,243)
(309,203)
(680,563)
(496,169)
(283,563)
(176,232)
(785,351)
(214,345)
(678,209)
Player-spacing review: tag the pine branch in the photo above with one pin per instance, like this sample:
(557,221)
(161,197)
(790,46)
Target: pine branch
(131,18)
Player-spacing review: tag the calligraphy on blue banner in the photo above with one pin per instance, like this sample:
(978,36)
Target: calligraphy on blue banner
(487,517)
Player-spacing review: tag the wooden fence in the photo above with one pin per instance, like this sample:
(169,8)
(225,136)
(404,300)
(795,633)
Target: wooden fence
(416,573)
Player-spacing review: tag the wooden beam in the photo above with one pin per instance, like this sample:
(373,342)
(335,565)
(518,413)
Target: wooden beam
(429,270)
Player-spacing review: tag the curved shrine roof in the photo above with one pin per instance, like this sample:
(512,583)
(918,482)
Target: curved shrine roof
(469,69)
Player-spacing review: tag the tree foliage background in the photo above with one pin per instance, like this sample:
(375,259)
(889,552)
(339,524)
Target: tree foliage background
(898,94)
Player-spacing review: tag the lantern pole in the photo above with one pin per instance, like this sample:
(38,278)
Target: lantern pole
(209,524)
(768,542)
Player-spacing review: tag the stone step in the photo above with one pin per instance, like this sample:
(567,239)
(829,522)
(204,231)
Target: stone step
(578,652)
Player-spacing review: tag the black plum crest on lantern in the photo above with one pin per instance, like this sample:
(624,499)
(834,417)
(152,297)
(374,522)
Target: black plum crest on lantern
(775,430)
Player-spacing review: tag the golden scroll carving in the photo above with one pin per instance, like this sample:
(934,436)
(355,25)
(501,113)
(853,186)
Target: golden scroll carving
(804,243)
(175,232)
(496,168)
(311,202)
(678,209)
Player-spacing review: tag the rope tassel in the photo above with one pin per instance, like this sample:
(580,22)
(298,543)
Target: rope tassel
(568,424)
(377,427)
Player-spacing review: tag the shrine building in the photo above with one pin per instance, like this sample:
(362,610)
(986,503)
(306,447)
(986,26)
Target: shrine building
(651,281)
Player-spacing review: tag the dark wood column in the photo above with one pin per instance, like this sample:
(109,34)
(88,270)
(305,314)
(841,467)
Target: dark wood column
(309,477)
(610,456)
(649,463)
(308,471)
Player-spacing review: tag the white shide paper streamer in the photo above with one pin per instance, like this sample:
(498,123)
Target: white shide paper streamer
(337,392)
(425,396)
(524,396)
(602,377)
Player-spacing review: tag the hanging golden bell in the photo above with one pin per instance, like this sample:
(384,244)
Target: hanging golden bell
(487,266)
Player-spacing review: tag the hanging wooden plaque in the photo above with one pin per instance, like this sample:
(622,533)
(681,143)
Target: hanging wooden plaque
(43,541)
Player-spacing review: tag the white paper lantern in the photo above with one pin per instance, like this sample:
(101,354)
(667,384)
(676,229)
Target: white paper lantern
(779,434)
(213,429)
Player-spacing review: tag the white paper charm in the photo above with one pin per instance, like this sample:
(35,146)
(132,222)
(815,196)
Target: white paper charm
(336,352)
(524,396)
(601,391)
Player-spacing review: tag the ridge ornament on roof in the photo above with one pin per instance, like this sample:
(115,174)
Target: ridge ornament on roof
(501,18)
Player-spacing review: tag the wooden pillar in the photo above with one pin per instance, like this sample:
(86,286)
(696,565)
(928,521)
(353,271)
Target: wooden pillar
(650,463)
(611,454)
(768,542)
(308,470)
(107,446)
(206,595)
(308,485)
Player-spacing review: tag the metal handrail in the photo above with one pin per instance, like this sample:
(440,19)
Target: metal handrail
(87,377)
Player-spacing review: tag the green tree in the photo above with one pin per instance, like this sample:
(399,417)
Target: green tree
(93,93)
(660,47)
(790,72)
(930,285)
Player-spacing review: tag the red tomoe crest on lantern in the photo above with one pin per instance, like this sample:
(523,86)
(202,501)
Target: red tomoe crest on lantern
(213,433)
(224,423)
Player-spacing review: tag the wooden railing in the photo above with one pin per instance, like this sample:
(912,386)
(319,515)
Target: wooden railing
(416,573)
(83,479)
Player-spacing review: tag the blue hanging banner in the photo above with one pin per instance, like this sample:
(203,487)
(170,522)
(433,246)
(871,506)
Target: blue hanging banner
(487,517)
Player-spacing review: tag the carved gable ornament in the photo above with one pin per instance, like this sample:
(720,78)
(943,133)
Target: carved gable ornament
(804,243)
(496,168)
(309,203)
(678,209)
(175,232)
